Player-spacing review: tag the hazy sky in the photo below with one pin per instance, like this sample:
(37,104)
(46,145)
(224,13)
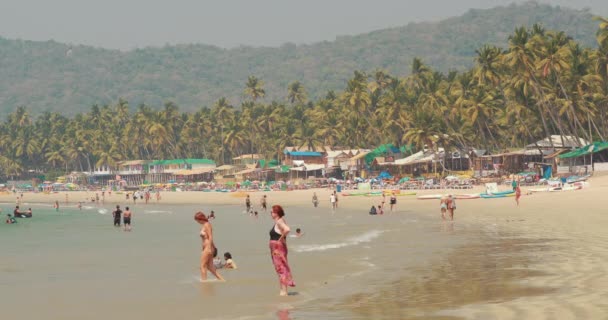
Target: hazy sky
(128,24)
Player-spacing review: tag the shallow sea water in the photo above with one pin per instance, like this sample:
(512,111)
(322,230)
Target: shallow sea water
(349,265)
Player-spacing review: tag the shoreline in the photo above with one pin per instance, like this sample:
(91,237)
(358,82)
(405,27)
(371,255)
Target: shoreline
(546,254)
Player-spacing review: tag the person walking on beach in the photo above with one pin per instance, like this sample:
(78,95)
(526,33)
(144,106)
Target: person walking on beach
(517,194)
(126,219)
(315,199)
(336,196)
(208,247)
(333,201)
(443,205)
(263,203)
(278,249)
(451,206)
(248,203)
(116,214)
(393,200)
(157,195)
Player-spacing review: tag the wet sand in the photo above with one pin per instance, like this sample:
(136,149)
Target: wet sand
(542,260)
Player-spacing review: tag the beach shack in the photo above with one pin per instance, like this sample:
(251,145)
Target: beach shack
(456,160)
(164,171)
(421,163)
(267,169)
(308,157)
(336,162)
(246,159)
(585,160)
(102,175)
(133,172)
(357,166)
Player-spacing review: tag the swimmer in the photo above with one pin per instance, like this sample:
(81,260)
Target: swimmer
(211,215)
(299,233)
(443,205)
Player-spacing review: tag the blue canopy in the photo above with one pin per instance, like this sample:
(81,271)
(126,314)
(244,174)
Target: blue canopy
(385,175)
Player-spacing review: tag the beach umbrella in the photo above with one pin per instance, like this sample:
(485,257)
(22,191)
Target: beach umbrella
(229,183)
(247,183)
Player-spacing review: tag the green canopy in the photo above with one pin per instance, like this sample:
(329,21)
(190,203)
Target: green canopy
(247,183)
(404,179)
(282,169)
(588,149)
(381,150)
(268,163)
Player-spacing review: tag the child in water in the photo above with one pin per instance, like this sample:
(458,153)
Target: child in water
(299,233)
(229,264)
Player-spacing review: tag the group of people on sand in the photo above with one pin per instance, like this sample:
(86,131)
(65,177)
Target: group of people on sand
(278,247)
(447,204)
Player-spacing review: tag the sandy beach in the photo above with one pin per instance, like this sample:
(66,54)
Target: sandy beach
(541,260)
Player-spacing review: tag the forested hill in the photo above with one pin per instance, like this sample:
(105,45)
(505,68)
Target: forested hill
(67,79)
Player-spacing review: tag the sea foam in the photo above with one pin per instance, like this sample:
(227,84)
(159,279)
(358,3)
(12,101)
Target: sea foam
(366,237)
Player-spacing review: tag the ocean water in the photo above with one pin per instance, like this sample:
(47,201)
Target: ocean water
(73,264)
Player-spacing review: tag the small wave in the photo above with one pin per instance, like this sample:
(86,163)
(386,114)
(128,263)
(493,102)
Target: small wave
(102,211)
(366,237)
(157,211)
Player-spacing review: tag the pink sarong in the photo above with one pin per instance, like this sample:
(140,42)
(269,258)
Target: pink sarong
(278,252)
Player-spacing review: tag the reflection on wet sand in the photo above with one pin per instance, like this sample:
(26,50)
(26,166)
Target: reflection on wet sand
(283,314)
(489,270)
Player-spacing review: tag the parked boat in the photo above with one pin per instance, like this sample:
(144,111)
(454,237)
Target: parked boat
(467,196)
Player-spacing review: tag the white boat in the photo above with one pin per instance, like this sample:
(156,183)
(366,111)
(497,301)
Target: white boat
(566,187)
(467,196)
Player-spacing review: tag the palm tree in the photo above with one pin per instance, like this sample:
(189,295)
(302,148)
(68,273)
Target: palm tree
(254,88)
(296,93)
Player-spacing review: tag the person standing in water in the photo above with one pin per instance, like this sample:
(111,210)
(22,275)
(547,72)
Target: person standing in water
(333,201)
(126,219)
(451,206)
(116,214)
(248,203)
(278,249)
(208,247)
(443,205)
(517,194)
(393,200)
(315,199)
(56,206)
(263,203)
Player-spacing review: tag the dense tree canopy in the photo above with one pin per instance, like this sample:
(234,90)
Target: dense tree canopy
(544,83)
